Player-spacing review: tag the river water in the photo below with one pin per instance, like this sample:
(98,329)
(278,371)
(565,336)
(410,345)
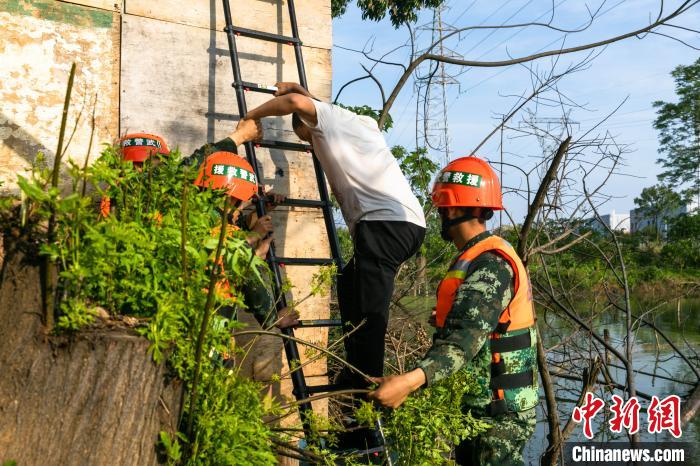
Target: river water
(680,322)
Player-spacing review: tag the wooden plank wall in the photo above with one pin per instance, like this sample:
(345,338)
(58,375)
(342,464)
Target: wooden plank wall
(162,66)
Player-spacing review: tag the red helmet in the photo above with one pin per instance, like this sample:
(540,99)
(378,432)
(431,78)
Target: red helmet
(226,170)
(138,147)
(467,182)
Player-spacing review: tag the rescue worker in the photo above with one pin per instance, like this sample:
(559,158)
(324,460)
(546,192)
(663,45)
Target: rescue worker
(383,215)
(485,319)
(137,148)
(247,130)
(233,174)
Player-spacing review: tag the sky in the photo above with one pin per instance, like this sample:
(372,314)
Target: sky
(637,70)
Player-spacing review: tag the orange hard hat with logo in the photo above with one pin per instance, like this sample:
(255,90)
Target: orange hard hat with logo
(138,147)
(226,170)
(467,182)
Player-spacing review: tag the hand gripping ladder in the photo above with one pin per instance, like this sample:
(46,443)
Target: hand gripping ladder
(301,391)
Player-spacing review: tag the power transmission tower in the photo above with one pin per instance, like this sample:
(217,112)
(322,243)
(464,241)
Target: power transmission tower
(432,131)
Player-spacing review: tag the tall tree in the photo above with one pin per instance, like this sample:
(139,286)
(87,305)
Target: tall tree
(657,202)
(400,11)
(679,131)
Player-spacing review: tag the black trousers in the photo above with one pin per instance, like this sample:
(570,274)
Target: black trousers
(365,287)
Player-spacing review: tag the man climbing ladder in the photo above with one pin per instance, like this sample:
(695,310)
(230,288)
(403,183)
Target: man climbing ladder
(383,215)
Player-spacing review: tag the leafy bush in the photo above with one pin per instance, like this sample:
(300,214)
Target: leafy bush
(152,257)
(682,253)
(431,422)
(684,227)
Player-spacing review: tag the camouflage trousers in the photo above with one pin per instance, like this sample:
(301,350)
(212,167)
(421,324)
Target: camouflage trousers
(502,444)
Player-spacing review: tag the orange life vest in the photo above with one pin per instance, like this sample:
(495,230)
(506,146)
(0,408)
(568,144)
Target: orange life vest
(518,315)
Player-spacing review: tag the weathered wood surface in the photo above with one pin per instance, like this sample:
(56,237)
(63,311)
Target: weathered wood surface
(38,42)
(112,5)
(313,16)
(95,399)
(176,80)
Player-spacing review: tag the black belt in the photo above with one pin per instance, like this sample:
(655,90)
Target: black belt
(508,344)
(510,381)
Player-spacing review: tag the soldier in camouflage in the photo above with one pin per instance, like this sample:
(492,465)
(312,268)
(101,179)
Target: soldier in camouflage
(485,321)
(220,167)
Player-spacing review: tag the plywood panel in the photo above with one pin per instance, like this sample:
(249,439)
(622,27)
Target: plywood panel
(176,80)
(313,16)
(39,41)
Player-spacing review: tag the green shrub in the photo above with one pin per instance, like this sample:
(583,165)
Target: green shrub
(134,262)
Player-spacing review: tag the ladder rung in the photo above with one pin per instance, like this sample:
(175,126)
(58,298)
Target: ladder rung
(283,145)
(254,87)
(222,116)
(325,388)
(262,35)
(304,203)
(303,261)
(320,323)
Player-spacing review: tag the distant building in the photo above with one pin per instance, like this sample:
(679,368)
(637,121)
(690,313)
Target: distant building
(640,220)
(619,222)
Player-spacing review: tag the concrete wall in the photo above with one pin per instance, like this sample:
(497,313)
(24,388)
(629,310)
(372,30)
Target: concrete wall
(162,66)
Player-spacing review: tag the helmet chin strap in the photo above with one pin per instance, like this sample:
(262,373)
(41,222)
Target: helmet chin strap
(486,214)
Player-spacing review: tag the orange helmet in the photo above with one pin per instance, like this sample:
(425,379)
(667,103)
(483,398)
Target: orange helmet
(226,170)
(467,182)
(138,147)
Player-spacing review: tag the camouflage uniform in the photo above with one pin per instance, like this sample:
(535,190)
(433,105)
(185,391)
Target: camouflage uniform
(486,291)
(198,156)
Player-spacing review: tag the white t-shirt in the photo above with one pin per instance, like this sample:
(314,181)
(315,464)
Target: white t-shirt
(363,174)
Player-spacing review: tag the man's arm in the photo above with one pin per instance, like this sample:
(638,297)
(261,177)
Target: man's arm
(478,304)
(284,88)
(285,105)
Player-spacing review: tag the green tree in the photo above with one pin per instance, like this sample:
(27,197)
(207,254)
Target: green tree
(656,201)
(418,170)
(400,11)
(679,131)
(366,110)
(684,227)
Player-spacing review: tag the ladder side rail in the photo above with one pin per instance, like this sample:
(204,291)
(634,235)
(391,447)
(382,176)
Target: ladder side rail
(320,177)
(290,347)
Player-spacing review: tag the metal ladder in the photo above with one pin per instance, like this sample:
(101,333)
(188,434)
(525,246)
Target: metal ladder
(301,390)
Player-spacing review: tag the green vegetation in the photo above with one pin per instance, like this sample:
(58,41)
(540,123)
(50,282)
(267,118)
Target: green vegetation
(430,422)
(400,11)
(657,201)
(152,258)
(679,131)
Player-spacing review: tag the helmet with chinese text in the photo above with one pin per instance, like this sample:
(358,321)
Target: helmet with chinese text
(467,182)
(226,170)
(138,147)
